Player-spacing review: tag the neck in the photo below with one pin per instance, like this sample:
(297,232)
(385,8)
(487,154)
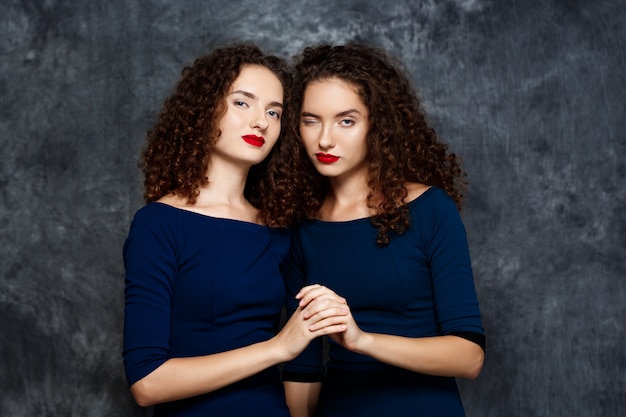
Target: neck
(226,184)
(346,200)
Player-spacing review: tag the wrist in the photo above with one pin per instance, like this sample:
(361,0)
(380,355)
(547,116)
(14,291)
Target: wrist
(275,350)
(364,344)
(282,349)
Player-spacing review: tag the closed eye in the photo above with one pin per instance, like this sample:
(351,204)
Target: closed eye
(309,122)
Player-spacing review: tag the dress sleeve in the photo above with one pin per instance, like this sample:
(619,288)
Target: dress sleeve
(150,263)
(453,284)
(308,366)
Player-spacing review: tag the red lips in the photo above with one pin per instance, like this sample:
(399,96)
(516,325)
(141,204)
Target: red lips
(326,158)
(254,140)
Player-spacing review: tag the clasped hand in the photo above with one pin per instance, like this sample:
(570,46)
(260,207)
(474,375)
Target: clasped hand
(317,302)
(320,312)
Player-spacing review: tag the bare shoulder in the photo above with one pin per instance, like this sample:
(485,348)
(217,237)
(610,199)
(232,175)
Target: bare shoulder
(415,189)
(180,203)
(245,211)
(174,201)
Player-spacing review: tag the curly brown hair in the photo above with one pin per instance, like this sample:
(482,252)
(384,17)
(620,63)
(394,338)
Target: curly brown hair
(175,158)
(402,147)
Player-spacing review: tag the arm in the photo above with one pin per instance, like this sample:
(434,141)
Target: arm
(450,356)
(323,311)
(302,376)
(302,397)
(179,378)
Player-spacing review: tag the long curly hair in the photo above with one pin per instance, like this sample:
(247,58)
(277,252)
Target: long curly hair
(401,146)
(175,158)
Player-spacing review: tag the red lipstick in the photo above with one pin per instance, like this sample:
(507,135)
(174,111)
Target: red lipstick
(326,158)
(254,140)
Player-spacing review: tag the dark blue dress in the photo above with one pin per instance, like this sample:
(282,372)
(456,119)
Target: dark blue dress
(197,285)
(420,285)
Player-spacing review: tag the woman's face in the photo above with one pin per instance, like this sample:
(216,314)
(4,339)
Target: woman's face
(251,125)
(334,127)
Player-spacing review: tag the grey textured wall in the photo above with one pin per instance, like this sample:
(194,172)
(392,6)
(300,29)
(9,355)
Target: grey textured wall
(532,94)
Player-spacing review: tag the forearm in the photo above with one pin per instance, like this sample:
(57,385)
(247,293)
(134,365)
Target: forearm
(302,397)
(180,378)
(439,355)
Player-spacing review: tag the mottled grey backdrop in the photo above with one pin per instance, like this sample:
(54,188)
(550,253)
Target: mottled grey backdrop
(530,93)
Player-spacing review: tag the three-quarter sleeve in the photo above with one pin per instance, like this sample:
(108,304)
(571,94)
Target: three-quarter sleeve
(308,366)
(448,254)
(150,262)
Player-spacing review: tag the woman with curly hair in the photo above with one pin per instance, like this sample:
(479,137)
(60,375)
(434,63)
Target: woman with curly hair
(380,198)
(204,257)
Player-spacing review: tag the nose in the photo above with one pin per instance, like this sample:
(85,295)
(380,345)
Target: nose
(259,121)
(326,140)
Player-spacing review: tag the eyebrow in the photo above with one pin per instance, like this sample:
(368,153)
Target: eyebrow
(340,114)
(254,97)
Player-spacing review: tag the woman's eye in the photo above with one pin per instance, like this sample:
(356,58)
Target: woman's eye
(240,103)
(274,114)
(308,122)
(346,122)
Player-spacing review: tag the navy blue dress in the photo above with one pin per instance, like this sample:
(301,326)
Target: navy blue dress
(420,285)
(197,285)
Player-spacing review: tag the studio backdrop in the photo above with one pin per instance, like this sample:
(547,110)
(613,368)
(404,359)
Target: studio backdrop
(531,94)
